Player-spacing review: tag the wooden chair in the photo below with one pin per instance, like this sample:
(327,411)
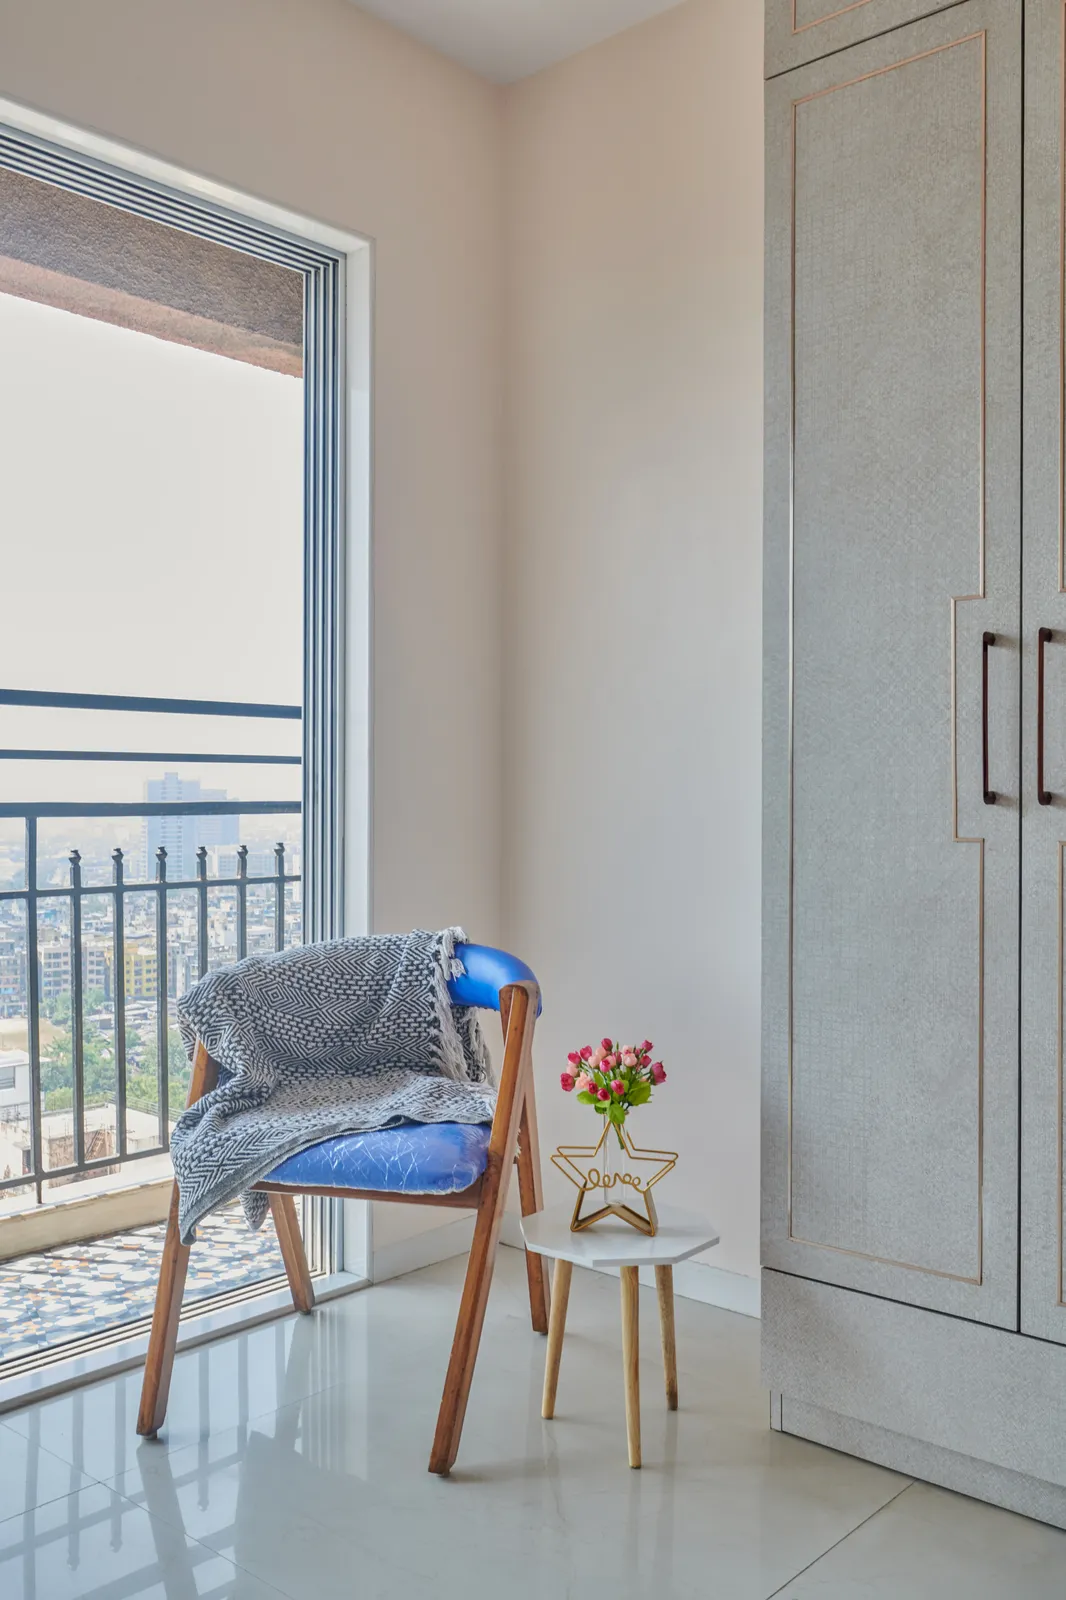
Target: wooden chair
(493,981)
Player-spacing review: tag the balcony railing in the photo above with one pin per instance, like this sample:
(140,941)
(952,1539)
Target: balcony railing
(84,1159)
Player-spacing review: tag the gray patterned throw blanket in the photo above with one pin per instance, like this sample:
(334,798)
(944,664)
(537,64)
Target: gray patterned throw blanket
(318,1041)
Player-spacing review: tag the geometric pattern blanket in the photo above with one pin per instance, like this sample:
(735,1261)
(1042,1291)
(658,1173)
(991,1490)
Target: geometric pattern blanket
(321,1040)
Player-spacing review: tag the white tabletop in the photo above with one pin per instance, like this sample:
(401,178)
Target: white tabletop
(613,1243)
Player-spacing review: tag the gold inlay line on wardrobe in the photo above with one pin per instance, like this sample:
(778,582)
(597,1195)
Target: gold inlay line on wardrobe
(801,27)
(1061,1045)
(979,37)
(1062,305)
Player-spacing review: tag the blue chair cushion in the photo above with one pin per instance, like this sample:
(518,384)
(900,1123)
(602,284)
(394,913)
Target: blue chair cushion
(412,1158)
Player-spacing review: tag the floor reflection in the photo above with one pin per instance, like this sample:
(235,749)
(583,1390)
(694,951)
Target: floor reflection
(171,1530)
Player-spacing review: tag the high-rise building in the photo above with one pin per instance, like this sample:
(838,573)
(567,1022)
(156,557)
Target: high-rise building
(182,836)
(12,979)
(141,969)
(97,956)
(54,966)
(181,971)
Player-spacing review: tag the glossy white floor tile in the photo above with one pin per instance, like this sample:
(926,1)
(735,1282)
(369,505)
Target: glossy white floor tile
(30,1476)
(294,1461)
(94,1543)
(928,1544)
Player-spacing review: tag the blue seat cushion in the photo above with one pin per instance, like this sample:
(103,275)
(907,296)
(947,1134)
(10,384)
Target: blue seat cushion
(412,1158)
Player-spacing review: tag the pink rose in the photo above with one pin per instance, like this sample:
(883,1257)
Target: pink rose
(584,1083)
(567,1080)
(607,1045)
(603,1094)
(618,1087)
(586,1052)
(658,1072)
(646,1046)
(597,1055)
(629,1059)
(609,1063)
(574,1059)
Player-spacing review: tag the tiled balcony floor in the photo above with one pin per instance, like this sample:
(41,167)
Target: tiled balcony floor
(77,1289)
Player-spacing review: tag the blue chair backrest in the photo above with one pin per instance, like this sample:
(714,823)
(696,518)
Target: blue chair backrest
(487,972)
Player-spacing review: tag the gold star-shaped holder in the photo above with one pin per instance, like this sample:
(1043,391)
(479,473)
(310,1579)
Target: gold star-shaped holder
(585,1167)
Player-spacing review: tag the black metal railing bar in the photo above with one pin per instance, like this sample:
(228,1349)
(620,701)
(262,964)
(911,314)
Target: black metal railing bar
(150,808)
(119,890)
(229,759)
(139,702)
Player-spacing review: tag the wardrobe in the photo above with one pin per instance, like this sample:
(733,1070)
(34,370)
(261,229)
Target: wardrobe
(914,1310)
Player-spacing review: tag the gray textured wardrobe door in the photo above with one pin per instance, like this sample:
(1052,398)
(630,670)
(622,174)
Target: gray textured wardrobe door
(1043,826)
(892,547)
(798,31)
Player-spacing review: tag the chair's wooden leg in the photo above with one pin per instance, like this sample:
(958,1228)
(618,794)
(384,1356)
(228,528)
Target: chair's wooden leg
(556,1329)
(532,1199)
(469,1324)
(159,1363)
(664,1283)
(503,1142)
(530,1190)
(287,1227)
(631,1358)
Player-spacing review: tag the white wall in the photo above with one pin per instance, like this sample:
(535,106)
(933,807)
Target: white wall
(633,579)
(313,105)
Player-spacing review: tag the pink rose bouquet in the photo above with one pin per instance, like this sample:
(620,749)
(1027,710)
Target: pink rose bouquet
(612,1077)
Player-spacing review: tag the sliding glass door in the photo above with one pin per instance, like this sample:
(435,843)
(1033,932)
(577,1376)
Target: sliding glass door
(170,696)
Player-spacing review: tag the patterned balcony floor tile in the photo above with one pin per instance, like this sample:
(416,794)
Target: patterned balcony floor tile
(63,1294)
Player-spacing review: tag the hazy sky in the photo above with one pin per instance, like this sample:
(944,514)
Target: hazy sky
(150,543)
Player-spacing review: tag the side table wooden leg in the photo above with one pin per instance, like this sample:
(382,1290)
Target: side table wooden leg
(664,1283)
(560,1297)
(631,1358)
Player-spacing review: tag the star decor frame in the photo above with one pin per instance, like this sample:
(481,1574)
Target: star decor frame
(577,1163)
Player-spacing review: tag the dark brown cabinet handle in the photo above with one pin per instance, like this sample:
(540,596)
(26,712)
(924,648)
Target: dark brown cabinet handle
(1043,638)
(990,794)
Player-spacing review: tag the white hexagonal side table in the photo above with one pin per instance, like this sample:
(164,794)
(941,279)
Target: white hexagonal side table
(612,1243)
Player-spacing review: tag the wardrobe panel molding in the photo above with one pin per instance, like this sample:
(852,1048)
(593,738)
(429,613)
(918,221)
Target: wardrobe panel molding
(798,31)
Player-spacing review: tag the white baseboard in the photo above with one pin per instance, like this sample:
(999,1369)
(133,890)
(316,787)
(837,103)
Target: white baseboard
(732,1291)
(694,1280)
(421,1249)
